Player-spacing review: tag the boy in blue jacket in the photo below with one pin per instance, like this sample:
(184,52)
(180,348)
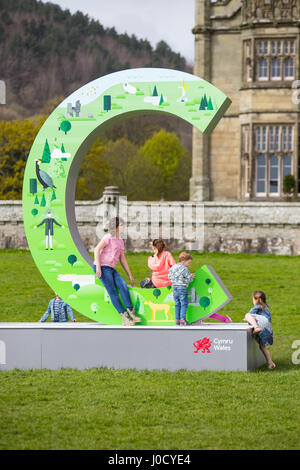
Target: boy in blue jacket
(59,311)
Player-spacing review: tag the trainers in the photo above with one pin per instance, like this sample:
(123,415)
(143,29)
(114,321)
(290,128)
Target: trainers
(127,320)
(133,316)
(228,319)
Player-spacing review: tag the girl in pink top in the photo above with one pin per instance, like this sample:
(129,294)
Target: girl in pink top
(107,254)
(160,263)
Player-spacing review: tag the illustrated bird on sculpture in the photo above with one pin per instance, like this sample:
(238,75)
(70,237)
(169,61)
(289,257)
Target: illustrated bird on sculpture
(43,177)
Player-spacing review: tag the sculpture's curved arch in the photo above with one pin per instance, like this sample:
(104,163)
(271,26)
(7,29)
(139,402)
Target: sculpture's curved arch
(58,150)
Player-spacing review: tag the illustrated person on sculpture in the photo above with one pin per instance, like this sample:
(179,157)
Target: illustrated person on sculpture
(107,254)
(49,230)
(180,277)
(59,311)
(260,318)
(160,263)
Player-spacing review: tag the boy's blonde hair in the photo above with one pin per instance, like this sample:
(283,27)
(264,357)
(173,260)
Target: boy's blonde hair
(184,256)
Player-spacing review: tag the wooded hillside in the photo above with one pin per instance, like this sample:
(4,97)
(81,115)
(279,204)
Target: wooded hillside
(46,53)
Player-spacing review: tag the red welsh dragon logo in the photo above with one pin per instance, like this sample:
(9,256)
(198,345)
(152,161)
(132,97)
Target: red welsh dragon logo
(203,344)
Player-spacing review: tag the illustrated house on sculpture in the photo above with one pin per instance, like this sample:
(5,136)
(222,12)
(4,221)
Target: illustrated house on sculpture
(249,49)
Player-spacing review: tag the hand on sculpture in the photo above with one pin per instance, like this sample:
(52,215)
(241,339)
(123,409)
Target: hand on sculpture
(98,272)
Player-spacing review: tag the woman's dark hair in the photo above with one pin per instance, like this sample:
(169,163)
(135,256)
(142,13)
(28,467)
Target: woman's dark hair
(261,297)
(114,223)
(160,245)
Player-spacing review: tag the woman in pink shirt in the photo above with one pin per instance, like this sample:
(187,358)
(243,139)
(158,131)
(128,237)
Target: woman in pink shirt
(107,254)
(160,263)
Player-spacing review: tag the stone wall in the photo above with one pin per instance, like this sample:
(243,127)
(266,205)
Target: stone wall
(231,227)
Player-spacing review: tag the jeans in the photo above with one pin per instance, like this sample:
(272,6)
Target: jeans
(181,302)
(112,280)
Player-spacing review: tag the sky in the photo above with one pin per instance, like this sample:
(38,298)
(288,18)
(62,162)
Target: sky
(155,20)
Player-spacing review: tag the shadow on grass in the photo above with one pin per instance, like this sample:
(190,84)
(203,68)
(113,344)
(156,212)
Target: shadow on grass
(282,365)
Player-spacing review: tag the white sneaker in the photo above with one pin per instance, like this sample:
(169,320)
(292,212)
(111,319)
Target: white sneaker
(133,315)
(127,320)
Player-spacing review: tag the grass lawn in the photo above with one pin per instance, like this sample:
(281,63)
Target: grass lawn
(127,409)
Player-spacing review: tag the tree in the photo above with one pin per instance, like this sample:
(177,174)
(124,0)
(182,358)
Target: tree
(65,126)
(164,150)
(63,151)
(93,175)
(181,179)
(107,102)
(138,129)
(204,302)
(72,259)
(16,139)
(46,158)
(289,186)
(43,201)
(202,105)
(209,105)
(119,156)
(33,186)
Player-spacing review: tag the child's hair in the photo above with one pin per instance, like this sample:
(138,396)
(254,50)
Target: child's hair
(160,245)
(114,224)
(184,256)
(261,297)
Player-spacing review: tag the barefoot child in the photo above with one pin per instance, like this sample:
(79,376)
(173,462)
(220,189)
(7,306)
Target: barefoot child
(260,318)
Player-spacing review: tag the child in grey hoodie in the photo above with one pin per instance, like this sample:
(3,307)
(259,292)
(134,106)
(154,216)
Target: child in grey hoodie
(180,277)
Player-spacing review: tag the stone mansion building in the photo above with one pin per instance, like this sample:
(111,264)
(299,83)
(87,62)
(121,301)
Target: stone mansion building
(250,50)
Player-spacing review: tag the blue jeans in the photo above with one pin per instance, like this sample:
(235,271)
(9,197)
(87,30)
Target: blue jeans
(112,280)
(181,302)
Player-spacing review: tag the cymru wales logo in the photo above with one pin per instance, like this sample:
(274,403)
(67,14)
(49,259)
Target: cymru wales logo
(203,345)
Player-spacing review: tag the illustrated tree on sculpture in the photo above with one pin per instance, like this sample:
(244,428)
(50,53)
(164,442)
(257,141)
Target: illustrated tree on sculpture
(65,126)
(107,103)
(33,189)
(210,105)
(63,151)
(46,158)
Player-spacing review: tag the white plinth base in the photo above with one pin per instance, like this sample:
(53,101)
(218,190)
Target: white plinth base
(228,346)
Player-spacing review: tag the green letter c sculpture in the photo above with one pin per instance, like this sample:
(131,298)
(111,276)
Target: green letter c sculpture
(50,181)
